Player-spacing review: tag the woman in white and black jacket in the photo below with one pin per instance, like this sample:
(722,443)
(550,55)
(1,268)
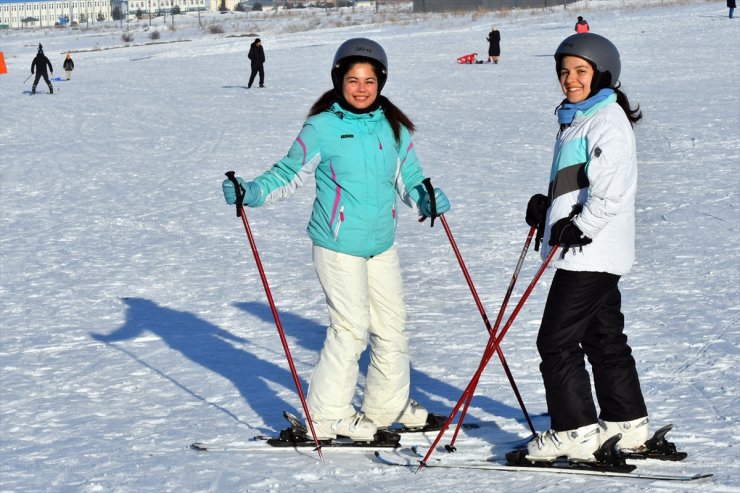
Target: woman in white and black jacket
(590,213)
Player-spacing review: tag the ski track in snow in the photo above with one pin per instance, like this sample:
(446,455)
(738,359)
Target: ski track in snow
(133,318)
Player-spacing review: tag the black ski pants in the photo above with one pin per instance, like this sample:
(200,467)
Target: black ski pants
(40,74)
(583,317)
(257,69)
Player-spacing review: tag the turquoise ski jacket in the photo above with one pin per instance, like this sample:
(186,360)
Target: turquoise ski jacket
(360,173)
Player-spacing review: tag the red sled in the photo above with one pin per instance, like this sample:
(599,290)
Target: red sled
(467,58)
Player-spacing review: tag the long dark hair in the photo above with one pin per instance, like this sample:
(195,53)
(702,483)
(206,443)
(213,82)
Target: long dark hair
(634,115)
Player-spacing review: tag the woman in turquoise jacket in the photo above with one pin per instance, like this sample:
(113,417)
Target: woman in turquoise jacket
(358,146)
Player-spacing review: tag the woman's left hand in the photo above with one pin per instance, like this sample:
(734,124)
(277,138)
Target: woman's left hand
(442,203)
(565,232)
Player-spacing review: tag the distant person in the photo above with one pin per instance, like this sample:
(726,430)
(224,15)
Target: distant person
(582,25)
(257,57)
(38,66)
(68,66)
(731,5)
(494,45)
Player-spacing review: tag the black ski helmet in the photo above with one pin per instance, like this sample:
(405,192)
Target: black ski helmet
(359,48)
(597,50)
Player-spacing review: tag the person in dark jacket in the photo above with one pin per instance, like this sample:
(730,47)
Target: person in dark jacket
(68,66)
(494,45)
(731,5)
(581,25)
(257,57)
(38,66)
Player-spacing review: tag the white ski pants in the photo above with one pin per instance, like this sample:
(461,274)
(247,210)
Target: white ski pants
(366,302)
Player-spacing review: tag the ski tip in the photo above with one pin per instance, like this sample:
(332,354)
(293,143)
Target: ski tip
(198,446)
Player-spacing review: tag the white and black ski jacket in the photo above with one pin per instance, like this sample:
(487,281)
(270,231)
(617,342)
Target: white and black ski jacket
(595,167)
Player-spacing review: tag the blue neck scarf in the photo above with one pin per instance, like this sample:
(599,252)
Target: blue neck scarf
(567,111)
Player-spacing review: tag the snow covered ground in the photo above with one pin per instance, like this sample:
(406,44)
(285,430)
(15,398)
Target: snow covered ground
(133,321)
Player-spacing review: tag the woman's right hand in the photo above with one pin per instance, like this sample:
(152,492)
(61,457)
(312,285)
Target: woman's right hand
(536,210)
(251,192)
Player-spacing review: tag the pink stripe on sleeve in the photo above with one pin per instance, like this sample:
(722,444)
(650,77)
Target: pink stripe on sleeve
(408,149)
(303,146)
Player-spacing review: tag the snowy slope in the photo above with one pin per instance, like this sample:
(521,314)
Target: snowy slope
(132,318)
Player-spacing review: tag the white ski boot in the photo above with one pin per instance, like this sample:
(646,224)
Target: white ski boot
(356,427)
(413,416)
(577,445)
(634,433)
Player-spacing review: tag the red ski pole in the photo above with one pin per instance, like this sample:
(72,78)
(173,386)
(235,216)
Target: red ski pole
(240,212)
(427,182)
(490,349)
(492,332)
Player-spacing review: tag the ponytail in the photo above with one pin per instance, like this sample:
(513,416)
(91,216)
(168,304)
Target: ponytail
(396,118)
(323,103)
(633,115)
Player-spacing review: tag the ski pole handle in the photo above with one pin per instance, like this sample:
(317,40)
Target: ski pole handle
(239,192)
(427,182)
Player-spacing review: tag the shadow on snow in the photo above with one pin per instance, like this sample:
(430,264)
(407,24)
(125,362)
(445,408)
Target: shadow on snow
(427,390)
(224,353)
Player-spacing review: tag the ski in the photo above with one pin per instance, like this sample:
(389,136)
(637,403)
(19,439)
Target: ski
(296,437)
(259,444)
(435,422)
(552,469)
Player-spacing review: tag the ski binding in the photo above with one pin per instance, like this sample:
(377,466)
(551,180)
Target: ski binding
(297,436)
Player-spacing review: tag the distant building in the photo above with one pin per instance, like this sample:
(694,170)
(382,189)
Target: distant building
(472,5)
(48,13)
(159,7)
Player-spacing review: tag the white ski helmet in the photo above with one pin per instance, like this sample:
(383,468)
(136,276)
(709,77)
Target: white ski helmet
(359,48)
(596,49)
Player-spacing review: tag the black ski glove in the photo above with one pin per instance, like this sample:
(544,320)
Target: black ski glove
(536,215)
(536,210)
(566,233)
